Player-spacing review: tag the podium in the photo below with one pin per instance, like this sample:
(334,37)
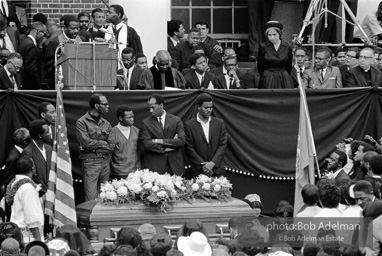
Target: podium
(87,64)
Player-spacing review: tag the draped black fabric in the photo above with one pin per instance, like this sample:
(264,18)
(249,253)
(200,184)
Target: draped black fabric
(262,124)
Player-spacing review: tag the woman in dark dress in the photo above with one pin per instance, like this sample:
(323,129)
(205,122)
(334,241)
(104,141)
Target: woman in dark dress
(275,59)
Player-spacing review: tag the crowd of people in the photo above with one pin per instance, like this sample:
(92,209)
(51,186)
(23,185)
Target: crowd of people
(197,62)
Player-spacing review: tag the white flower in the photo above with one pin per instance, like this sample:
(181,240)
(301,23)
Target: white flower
(122,191)
(102,195)
(148,185)
(203,178)
(107,187)
(136,180)
(162,194)
(182,188)
(217,188)
(206,186)
(178,184)
(155,188)
(111,195)
(135,188)
(195,187)
(118,183)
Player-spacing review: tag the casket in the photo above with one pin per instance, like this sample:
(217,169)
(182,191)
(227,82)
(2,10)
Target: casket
(99,220)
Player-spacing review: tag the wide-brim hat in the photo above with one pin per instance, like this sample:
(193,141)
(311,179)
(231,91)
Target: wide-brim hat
(274,24)
(37,244)
(195,244)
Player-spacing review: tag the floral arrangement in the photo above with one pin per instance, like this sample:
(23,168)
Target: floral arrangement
(164,189)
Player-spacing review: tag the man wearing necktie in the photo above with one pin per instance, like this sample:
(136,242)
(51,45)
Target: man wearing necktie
(323,76)
(163,138)
(10,79)
(128,76)
(230,79)
(299,65)
(9,36)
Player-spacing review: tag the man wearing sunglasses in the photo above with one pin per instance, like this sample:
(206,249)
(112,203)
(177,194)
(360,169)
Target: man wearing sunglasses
(30,70)
(10,79)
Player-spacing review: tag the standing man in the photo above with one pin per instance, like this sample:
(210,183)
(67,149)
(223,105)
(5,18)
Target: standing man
(10,79)
(31,71)
(84,21)
(163,138)
(92,134)
(123,34)
(47,112)
(9,36)
(175,32)
(124,139)
(162,75)
(214,50)
(98,22)
(323,76)
(336,162)
(365,74)
(206,140)
(183,50)
(41,152)
(299,65)
(26,206)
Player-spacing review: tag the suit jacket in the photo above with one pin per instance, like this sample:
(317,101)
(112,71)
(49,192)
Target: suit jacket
(342,178)
(332,78)
(41,174)
(199,151)
(9,171)
(31,69)
(293,74)
(13,34)
(193,81)
(343,69)
(5,80)
(134,81)
(355,77)
(154,155)
(182,54)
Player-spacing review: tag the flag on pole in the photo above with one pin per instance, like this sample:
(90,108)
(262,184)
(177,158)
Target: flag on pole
(306,152)
(59,203)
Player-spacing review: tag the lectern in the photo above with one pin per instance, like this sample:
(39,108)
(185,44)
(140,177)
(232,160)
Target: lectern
(89,66)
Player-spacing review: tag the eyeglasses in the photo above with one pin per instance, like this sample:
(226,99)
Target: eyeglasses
(86,21)
(352,57)
(365,57)
(104,104)
(14,66)
(40,31)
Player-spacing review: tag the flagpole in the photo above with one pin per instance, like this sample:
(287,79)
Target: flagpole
(302,93)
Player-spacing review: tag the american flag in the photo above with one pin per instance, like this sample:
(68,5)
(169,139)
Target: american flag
(59,203)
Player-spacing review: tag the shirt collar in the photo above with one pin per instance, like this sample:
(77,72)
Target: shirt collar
(175,43)
(200,121)
(6,70)
(19,148)
(33,39)
(123,128)
(336,173)
(224,70)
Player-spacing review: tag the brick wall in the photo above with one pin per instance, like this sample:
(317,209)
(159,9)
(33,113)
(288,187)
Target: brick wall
(54,9)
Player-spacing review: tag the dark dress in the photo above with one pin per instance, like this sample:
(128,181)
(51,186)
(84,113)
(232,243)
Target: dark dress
(275,66)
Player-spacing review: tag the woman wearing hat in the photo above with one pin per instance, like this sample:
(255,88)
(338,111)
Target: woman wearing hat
(275,59)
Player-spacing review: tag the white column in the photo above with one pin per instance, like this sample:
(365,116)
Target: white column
(149,18)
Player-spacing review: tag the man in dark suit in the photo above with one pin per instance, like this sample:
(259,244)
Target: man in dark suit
(199,77)
(351,61)
(183,50)
(299,66)
(336,162)
(206,140)
(47,112)
(163,138)
(365,74)
(31,70)
(128,77)
(41,152)
(9,36)
(232,77)
(175,32)
(8,9)
(10,79)
(21,139)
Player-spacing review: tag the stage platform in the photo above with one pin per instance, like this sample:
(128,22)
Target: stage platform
(100,221)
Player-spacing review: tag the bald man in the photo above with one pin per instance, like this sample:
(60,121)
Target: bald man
(162,75)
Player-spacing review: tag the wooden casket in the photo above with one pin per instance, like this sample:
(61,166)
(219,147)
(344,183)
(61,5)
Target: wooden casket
(99,219)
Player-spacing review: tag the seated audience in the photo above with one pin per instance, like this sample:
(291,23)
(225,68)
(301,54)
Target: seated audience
(299,65)
(141,61)
(214,50)
(351,61)
(129,75)
(10,78)
(232,79)
(98,17)
(339,57)
(160,244)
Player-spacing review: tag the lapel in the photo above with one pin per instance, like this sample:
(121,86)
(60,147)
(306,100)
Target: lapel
(200,128)
(167,123)
(373,76)
(134,76)
(37,153)
(7,79)
(158,131)
(195,79)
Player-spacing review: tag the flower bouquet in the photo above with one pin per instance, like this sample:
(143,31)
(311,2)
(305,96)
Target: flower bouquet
(163,189)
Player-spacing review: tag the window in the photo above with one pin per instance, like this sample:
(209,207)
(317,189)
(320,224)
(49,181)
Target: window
(226,18)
